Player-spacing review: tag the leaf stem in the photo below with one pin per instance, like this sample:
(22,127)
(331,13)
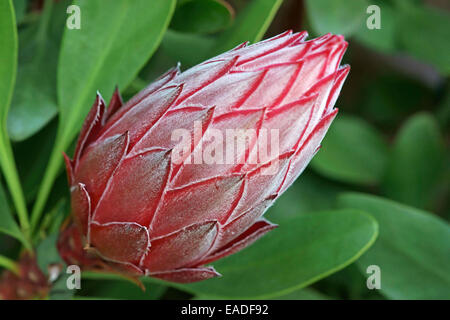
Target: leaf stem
(9,264)
(7,162)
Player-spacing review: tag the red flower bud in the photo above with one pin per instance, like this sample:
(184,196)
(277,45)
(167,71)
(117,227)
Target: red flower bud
(156,187)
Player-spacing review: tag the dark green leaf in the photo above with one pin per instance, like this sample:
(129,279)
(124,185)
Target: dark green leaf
(412,249)
(336,16)
(389,98)
(352,151)
(301,251)
(383,39)
(121,289)
(250,25)
(40,145)
(416,163)
(186,48)
(20,6)
(47,253)
(424,33)
(202,16)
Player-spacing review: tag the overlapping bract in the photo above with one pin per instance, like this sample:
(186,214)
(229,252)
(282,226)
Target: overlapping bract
(146,214)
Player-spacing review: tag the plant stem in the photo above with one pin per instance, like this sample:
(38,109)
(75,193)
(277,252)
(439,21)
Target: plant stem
(12,179)
(9,264)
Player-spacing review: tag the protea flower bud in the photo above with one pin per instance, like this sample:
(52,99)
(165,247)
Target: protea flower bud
(154,188)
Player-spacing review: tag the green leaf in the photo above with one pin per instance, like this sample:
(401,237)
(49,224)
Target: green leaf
(336,16)
(7,223)
(20,7)
(40,146)
(47,253)
(185,47)
(114,42)
(36,75)
(352,151)
(389,98)
(250,25)
(202,16)
(8,68)
(302,294)
(190,49)
(116,286)
(383,39)
(301,251)
(416,164)
(424,33)
(120,289)
(309,193)
(412,249)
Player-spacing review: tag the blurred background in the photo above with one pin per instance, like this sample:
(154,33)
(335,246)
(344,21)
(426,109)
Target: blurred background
(390,138)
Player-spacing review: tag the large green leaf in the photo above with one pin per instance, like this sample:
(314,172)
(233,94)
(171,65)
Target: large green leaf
(302,294)
(383,39)
(7,223)
(250,25)
(8,68)
(352,151)
(301,251)
(424,33)
(308,193)
(416,163)
(8,58)
(34,100)
(202,16)
(114,42)
(412,249)
(336,16)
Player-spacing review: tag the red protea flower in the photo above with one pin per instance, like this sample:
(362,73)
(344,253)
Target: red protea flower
(142,211)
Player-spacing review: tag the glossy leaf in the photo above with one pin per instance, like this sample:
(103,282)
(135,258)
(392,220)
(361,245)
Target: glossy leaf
(301,251)
(416,164)
(352,151)
(336,16)
(36,75)
(412,249)
(114,42)
(202,16)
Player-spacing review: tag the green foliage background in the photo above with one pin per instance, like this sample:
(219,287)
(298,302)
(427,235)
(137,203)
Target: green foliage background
(376,194)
